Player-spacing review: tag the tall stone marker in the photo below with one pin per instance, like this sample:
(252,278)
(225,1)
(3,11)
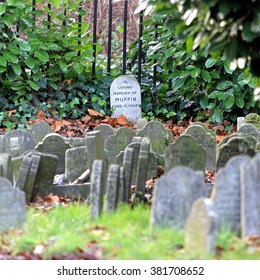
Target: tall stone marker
(125,98)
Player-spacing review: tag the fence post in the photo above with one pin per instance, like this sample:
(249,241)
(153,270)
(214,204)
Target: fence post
(94,39)
(125,35)
(110,18)
(140,46)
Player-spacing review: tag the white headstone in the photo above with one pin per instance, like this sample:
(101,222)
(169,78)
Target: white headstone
(125,98)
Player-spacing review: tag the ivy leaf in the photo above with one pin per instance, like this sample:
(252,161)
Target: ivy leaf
(17,69)
(42,55)
(206,76)
(240,102)
(10,57)
(210,62)
(224,85)
(30,62)
(63,66)
(178,83)
(33,85)
(229,101)
(195,73)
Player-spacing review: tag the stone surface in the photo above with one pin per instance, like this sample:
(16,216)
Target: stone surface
(240,121)
(6,167)
(117,143)
(207,140)
(15,147)
(125,98)
(12,206)
(251,130)
(122,197)
(141,123)
(185,152)
(25,141)
(96,189)
(159,136)
(112,188)
(233,147)
(76,162)
(226,193)
(250,139)
(201,228)
(250,202)
(106,130)
(254,119)
(54,144)
(128,169)
(39,130)
(23,173)
(174,195)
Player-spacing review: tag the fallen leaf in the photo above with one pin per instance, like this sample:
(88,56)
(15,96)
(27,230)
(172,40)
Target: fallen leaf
(94,113)
(87,119)
(122,120)
(11,112)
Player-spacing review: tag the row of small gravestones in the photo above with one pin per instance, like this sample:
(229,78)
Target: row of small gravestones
(35,165)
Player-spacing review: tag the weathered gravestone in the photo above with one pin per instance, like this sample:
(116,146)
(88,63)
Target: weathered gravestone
(141,123)
(15,147)
(201,228)
(250,202)
(122,197)
(233,147)
(159,136)
(54,144)
(21,139)
(75,141)
(112,188)
(128,168)
(240,122)
(173,196)
(6,167)
(12,206)
(96,189)
(117,143)
(106,130)
(76,162)
(250,139)
(39,130)
(185,152)
(226,193)
(253,119)
(251,130)
(207,140)
(125,98)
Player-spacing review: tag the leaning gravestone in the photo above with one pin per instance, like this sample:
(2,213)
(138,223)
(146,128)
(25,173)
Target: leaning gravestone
(226,193)
(250,193)
(12,206)
(125,98)
(39,130)
(208,141)
(128,167)
(106,130)
(185,152)
(251,130)
(25,139)
(233,147)
(54,144)
(159,136)
(201,228)
(117,143)
(174,194)
(6,167)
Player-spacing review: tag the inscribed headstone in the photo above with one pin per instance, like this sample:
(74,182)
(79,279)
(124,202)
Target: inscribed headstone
(251,130)
(106,130)
(125,98)
(39,130)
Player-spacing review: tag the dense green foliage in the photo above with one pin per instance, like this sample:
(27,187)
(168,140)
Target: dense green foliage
(224,27)
(190,83)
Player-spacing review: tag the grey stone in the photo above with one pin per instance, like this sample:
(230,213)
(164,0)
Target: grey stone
(185,152)
(240,122)
(96,189)
(76,162)
(125,98)
(159,136)
(106,130)
(254,119)
(128,168)
(226,193)
(112,188)
(122,197)
(141,123)
(174,194)
(249,138)
(250,193)
(6,166)
(26,141)
(208,141)
(201,228)
(117,143)
(39,130)
(54,144)
(15,147)
(251,130)
(233,147)
(12,206)
(23,173)
(76,141)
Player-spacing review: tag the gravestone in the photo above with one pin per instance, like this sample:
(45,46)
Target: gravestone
(207,140)
(76,162)
(174,195)
(12,206)
(96,189)
(240,122)
(233,147)
(141,123)
(122,197)
(117,143)
(159,136)
(54,144)
(112,188)
(15,147)
(253,119)
(250,193)
(25,140)
(226,193)
(128,167)
(125,98)
(201,228)
(23,173)
(185,152)
(75,142)
(251,130)
(249,138)
(106,130)
(39,130)
(6,167)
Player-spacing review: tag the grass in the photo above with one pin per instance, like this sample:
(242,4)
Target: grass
(122,235)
